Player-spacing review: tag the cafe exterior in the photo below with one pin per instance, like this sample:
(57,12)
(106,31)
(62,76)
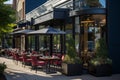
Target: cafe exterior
(85,20)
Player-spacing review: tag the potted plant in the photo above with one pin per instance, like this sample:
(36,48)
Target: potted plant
(101,64)
(72,64)
(2,67)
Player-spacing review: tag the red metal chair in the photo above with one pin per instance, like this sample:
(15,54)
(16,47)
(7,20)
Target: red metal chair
(57,63)
(35,62)
(34,52)
(25,59)
(16,57)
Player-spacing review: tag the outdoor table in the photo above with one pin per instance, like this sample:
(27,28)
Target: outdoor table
(44,50)
(48,60)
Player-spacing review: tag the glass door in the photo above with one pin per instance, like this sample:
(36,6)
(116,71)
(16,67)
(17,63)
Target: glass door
(92,27)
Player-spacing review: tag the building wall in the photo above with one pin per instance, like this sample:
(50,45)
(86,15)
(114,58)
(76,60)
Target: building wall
(113,34)
(24,6)
(14,4)
(19,6)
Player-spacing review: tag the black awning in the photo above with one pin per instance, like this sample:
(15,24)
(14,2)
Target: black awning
(56,14)
(24,24)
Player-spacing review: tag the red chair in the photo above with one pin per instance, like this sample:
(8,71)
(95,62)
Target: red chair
(17,57)
(34,52)
(58,63)
(35,62)
(25,59)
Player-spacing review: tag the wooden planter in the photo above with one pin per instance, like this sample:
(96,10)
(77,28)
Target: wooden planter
(71,69)
(100,70)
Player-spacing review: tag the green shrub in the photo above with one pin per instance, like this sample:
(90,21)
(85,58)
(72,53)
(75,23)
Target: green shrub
(99,61)
(2,67)
(71,56)
(101,53)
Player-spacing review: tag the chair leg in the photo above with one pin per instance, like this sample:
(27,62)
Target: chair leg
(32,67)
(35,69)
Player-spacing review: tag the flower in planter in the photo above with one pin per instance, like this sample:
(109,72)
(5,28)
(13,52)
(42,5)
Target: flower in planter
(101,53)
(2,67)
(98,61)
(101,64)
(72,64)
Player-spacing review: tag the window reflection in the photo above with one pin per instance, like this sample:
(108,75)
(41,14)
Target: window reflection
(84,4)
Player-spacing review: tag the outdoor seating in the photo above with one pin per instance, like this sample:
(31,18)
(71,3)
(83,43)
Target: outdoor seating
(8,52)
(26,60)
(34,52)
(16,57)
(58,63)
(36,62)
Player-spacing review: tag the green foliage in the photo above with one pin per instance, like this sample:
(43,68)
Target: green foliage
(7,17)
(99,60)
(101,53)
(2,67)
(71,55)
(101,48)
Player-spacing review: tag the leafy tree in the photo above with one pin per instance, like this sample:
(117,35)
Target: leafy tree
(7,18)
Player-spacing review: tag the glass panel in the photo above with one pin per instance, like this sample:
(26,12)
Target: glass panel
(56,42)
(83,4)
(77,42)
(33,42)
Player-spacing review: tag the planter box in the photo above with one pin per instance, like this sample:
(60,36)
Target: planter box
(100,70)
(71,69)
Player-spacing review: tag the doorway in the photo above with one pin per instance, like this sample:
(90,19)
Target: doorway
(92,28)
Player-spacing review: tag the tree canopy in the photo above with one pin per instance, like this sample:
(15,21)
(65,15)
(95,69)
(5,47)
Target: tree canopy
(7,17)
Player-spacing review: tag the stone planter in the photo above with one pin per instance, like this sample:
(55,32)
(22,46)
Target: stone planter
(100,70)
(71,69)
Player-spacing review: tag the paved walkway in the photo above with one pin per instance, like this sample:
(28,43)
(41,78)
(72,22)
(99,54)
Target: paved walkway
(17,72)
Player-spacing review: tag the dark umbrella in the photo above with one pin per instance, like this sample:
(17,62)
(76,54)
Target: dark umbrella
(22,31)
(48,30)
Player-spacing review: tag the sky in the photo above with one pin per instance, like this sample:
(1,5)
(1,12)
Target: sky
(9,2)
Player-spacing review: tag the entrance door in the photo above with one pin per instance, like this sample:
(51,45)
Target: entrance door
(87,38)
(91,29)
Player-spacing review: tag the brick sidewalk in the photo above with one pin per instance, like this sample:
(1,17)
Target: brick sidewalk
(17,72)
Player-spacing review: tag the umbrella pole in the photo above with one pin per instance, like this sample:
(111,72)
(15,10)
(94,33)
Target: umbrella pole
(51,44)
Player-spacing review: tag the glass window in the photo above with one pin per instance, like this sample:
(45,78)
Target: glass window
(80,4)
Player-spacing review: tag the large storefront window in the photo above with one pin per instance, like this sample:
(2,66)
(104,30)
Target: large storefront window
(69,29)
(77,32)
(92,28)
(57,44)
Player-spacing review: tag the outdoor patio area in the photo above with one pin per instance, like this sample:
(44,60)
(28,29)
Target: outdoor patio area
(17,72)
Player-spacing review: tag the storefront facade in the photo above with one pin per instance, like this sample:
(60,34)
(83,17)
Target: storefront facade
(89,18)
(85,20)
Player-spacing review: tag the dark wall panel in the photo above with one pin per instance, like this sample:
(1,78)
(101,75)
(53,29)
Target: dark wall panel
(114,34)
